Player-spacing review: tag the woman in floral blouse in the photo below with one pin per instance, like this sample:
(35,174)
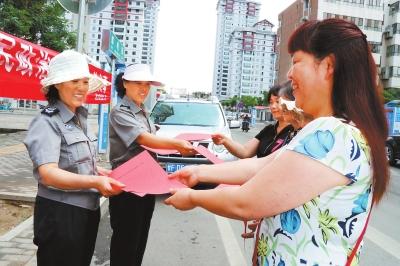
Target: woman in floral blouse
(314,194)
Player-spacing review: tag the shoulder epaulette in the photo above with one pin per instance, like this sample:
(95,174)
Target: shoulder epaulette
(126,106)
(50,111)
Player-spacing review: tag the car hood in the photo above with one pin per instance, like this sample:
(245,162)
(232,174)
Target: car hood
(171,131)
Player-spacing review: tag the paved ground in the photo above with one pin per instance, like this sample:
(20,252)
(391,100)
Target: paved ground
(16,181)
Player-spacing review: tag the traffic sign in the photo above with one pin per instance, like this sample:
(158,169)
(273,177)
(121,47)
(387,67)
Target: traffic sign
(94,6)
(111,44)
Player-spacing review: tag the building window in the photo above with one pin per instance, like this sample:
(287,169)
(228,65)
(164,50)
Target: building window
(393,50)
(394,8)
(375,47)
(360,22)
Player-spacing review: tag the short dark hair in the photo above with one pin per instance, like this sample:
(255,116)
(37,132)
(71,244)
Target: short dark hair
(119,85)
(275,90)
(52,95)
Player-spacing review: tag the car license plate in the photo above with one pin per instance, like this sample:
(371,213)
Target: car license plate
(172,167)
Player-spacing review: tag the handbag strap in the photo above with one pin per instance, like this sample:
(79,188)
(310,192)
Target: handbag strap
(254,257)
(360,238)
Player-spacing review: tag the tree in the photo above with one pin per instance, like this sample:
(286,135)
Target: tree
(201,94)
(249,101)
(38,21)
(391,94)
(264,100)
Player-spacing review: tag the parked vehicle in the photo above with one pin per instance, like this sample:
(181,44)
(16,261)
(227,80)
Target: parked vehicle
(177,116)
(393,149)
(232,120)
(234,123)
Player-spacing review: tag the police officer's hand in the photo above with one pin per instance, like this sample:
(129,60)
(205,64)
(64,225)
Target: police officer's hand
(185,148)
(187,176)
(103,171)
(108,186)
(218,138)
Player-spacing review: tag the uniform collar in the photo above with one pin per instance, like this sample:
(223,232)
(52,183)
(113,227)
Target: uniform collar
(66,114)
(132,106)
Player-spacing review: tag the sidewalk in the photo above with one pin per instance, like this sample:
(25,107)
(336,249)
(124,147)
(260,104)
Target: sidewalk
(17,183)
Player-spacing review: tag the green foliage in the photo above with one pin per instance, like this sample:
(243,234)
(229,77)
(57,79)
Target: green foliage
(248,101)
(201,94)
(264,100)
(391,94)
(37,21)
(232,102)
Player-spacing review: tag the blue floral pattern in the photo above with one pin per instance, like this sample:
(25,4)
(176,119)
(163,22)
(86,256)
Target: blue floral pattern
(290,221)
(324,230)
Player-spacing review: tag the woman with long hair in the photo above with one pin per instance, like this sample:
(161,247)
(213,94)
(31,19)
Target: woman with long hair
(314,194)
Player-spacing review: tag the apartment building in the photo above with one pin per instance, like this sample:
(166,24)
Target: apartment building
(390,65)
(252,60)
(240,38)
(367,14)
(134,22)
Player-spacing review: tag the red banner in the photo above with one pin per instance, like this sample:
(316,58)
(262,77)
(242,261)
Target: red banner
(24,64)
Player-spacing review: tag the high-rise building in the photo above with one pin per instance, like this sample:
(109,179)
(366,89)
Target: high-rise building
(390,67)
(366,14)
(244,50)
(134,22)
(252,60)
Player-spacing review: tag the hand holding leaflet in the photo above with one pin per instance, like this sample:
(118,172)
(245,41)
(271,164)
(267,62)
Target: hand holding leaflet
(143,175)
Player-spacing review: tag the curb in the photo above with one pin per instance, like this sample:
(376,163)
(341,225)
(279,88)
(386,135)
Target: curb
(17,230)
(17,196)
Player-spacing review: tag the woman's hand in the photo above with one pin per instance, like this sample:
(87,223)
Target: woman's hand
(181,199)
(185,148)
(218,138)
(108,186)
(187,176)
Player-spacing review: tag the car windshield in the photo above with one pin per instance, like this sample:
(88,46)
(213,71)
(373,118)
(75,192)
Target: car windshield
(187,113)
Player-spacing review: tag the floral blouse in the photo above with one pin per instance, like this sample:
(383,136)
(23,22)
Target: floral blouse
(324,230)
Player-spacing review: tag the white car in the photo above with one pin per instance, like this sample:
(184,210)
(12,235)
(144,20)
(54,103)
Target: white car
(177,116)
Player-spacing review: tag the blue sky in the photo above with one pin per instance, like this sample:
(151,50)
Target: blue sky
(185,42)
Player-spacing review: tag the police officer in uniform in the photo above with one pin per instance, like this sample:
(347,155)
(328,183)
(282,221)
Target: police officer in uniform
(130,128)
(63,153)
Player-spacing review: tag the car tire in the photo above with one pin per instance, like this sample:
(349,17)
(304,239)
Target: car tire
(390,155)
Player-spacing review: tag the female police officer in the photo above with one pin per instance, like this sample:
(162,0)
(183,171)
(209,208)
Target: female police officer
(62,150)
(129,129)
